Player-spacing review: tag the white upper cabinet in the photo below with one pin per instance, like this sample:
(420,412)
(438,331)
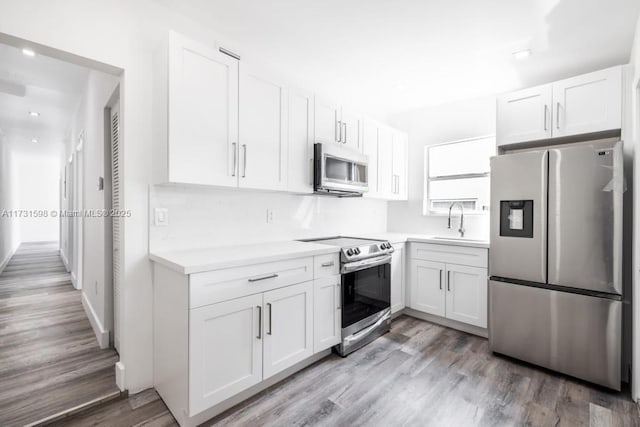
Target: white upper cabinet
(370,149)
(385,162)
(588,103)
(524,115)
(327,126)
(262,146)
(350,130)
(579,105)
(202,114)
(399,165)
(300,142)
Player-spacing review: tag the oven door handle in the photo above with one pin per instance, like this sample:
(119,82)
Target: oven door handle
(350,267)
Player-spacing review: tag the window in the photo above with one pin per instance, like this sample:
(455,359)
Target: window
(458,172)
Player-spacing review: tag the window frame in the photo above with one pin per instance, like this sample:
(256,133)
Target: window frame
(426,200)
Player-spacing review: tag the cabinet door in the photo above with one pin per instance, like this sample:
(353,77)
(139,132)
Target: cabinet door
(524,115)
(397,278)
(263,151)
(225,350)
(203,114)
(385,162)
(467,294)
(370,148)
(588,103)
(427,291)
(351,130)
(326,119)
(327,313)
(300,142)
(288,327)
(399,166)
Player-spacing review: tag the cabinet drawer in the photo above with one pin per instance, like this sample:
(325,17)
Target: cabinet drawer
(221,285)
(475,257)
(326,265)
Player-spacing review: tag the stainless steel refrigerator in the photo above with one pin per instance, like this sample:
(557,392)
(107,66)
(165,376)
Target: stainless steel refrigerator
(555,292)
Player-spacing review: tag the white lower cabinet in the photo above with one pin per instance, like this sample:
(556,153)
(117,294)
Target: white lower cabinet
(288,327)
(225,350)
(467,294)
(456,292)
(327,322)
(397,278)
(427,287)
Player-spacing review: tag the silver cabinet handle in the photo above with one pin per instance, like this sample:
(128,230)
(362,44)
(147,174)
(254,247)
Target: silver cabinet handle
(345,132)
(546,111)
(339,296)
(244,166)
(257,279)
(235,158)
(440,279)
(259,322)
(558,115)
(270,323)
(328,264)
(340,128)
(448,280)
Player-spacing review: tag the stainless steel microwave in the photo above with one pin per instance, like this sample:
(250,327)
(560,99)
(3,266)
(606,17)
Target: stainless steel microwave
(340,171)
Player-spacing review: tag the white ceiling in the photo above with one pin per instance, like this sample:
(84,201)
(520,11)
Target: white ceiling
(387,56)
(49,86)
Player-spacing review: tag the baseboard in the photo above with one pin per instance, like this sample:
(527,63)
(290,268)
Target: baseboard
(120,376)
(65,261)
(453,324)
(6,260)
(74,280)
(102,335)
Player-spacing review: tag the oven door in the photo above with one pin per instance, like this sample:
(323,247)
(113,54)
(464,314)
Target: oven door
(366,289)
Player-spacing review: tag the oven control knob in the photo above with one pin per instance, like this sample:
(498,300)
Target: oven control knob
(349,252)
(357,251)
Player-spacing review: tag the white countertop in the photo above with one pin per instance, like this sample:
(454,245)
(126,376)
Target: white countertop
(395,237)
(208,259)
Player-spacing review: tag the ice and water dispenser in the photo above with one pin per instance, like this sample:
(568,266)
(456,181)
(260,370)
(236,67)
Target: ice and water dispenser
(516,218)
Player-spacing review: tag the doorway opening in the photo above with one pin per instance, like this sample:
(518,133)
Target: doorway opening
(58,333)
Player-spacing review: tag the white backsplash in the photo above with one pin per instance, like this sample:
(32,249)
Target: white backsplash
(204,217)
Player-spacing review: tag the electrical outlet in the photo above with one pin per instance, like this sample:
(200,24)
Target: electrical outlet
(161,217)
(270,216)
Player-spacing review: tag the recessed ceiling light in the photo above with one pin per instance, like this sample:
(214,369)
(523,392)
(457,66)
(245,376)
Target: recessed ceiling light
(28,52)
(34,140)
(522,54)
(34,114)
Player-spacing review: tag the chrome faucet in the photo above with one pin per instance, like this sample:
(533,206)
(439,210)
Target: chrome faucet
(461,229)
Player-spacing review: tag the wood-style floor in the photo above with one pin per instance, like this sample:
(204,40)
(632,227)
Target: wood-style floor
(420,374)
(49,356)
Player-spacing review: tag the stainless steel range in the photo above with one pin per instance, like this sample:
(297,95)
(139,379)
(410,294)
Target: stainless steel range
(365,266)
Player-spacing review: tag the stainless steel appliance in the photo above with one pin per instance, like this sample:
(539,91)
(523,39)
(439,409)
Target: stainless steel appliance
(365,266)
(556,259)
(339,171)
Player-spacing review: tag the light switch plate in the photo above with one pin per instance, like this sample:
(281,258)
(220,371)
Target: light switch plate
(161,217)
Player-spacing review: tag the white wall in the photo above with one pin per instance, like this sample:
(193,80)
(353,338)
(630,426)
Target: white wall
(434,125)
(200,217)
(37,174)
(89,162)
(9,230)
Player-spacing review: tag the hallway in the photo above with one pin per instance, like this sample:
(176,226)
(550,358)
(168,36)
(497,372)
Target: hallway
(51,360)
